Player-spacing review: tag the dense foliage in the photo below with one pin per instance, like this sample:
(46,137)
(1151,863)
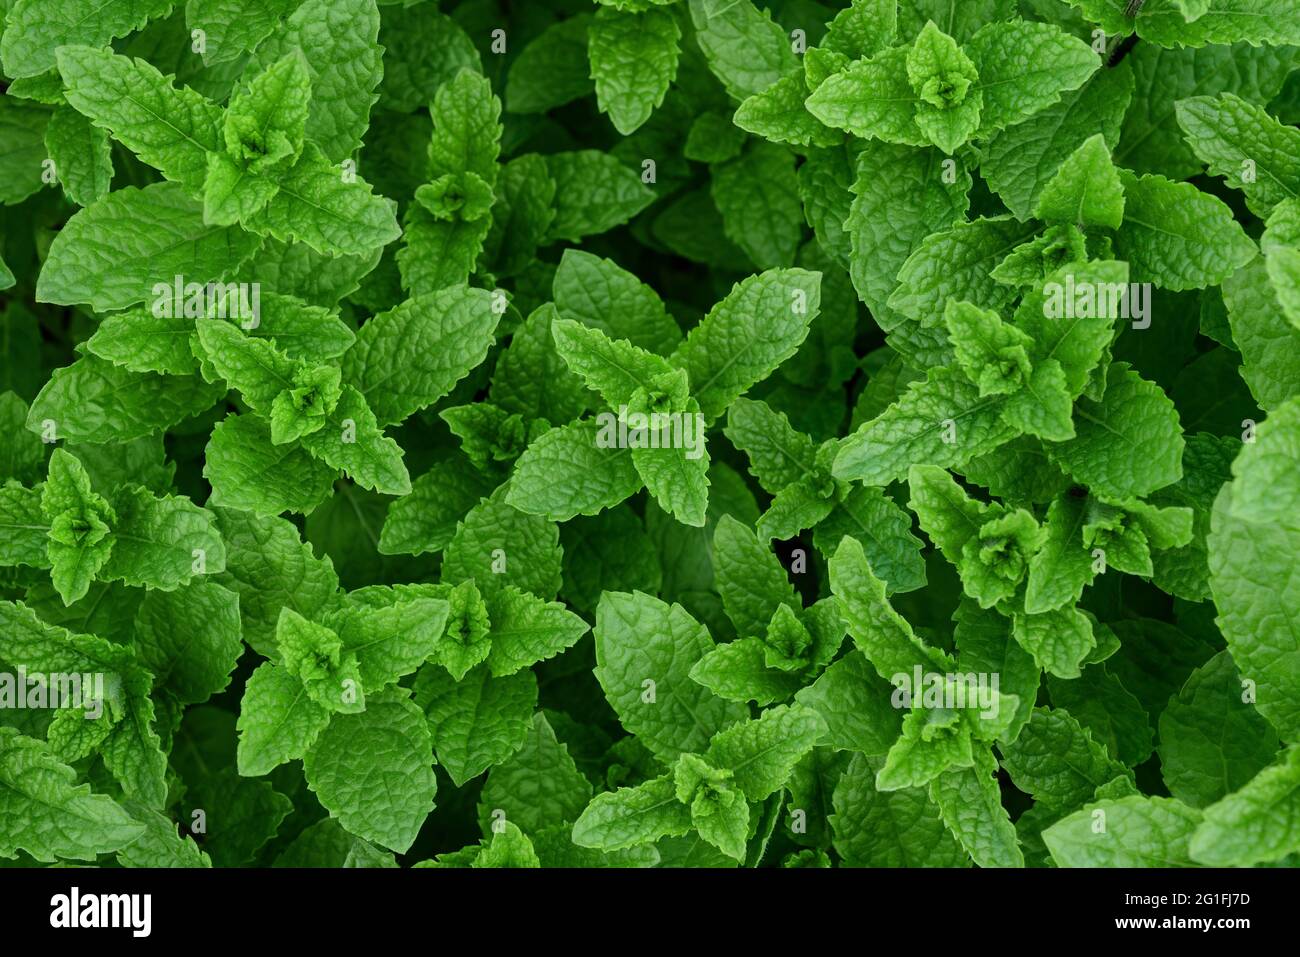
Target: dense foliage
(650,432)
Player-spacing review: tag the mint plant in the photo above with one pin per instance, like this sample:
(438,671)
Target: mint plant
(649,433)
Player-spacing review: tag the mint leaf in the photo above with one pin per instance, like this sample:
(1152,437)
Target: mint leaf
(1133,832)
(1198,246)
(166,231)
(476,722)
(644,653)
(1251,529)
(391,741)
(1253,825)
(633,60)
(744,48)
(62,819)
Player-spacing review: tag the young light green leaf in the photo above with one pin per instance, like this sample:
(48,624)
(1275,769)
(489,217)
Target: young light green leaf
(1085,190)
(631,816)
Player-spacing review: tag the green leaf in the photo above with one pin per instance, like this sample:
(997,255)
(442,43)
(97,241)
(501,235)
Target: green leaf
(231,27)
(749,578)
(160,845)
(760,324)
(888,829)
(1075,332)
(477,722)
(1263,334)
(1106,708)
(438,253)
(615,368)
(777,114)
(633,60)
(339,39)
(552,69)
(854,703)
(531,379)
(390,635)
(1253,825)
(466,128)
(423,49)
(738,671)
(1242,143)
(892,215)
(761,754)
(497,545)
(644,653)
(408,357)
(1153,140)
(715,138)
(278,720)
(594,192)
(600,294)
(872,99)
(970,803)
(567,472)
(162,542)
(1024,67)
(1127,445)
(171,129)
(255,367)
(313,654)
(1062,567)
(1057,761)
(949,104)
(352,440)
(744,48)
(1177,237)
(247,471)
(958,263)
(758,197)
(374,772)
(1059,640)
(537,787)
(1130,832)
(425,520)
(327,208)
(1085,190)
(1224,21)
(190,639)
(82,155)
(993,354)
(26,530)
(1252,533)
(1196,763)
(1021,160)
(46,815)
(880,633)
(133,753)
(35,29)
(526,630)
(165,232)
(630,816)
(941,420)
